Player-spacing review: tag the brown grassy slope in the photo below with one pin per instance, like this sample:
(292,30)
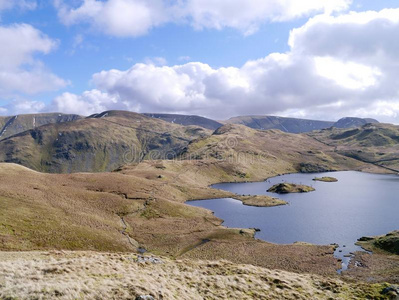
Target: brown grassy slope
(88,275)
(257,154)
(284,124)
(374,143)
(83,211)
(101,143)
(145,201)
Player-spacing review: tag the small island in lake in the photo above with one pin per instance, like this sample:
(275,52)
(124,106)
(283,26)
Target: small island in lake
(260,200)
(325,179)
(285,188)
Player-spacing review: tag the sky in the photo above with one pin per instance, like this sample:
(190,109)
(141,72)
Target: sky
(315,59)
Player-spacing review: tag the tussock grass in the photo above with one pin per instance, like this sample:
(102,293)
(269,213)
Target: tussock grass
(90,275)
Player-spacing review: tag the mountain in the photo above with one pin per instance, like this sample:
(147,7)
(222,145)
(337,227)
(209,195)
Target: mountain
(294,125)
(291,125)
(187,120)
(101,142)
(372,143)
(251,151)
(108,140)
(16,124)
(353,122)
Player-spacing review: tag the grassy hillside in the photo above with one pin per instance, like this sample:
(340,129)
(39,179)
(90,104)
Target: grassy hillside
(255,152)
(290,125)
(99,143)
(374,143)
(16,124)
(145,201)
(293,125)
(187,120)
(132,208)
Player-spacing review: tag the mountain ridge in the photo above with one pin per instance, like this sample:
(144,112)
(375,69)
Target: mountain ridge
(12,125)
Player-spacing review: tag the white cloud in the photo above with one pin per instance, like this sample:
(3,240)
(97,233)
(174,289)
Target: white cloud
(20,71)
(313,79)
(116,17)
(347,74)
(355,36)
(136,17)
(22,106)
(88,103)
(247,16)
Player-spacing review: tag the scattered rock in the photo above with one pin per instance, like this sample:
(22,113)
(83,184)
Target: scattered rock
(149,259)
(141,250)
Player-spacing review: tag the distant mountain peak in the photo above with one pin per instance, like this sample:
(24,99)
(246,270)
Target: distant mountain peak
(352,122)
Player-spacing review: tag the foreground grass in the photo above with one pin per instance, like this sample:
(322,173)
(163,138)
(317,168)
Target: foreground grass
(92,275)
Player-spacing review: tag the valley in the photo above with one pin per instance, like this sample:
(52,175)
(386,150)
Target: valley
(81,193)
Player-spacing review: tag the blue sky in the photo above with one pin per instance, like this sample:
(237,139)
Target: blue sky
(83,45)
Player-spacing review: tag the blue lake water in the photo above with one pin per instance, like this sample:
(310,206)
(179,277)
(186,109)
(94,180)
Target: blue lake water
(359,204)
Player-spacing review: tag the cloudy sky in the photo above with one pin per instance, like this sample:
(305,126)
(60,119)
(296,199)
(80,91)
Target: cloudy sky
(321,59)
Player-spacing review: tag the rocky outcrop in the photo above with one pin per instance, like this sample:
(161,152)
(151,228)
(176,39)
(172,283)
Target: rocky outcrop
(285,188)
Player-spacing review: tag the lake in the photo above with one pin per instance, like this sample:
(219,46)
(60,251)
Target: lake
(359,204)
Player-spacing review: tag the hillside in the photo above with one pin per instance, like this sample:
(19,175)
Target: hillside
(101,142)
(16,124)
(187,120)
(373,143)
(293,125)
(290,125)
(251,150)
(141,206)
(135,208)
(149,197)
(353,122)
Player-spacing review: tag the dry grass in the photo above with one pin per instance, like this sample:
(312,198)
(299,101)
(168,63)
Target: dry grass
(86,211)
(373,143)
(89,275)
